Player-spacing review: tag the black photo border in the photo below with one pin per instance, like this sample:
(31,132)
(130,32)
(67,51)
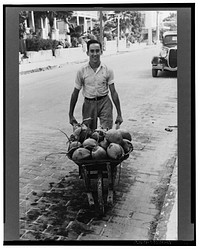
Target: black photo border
(186,121)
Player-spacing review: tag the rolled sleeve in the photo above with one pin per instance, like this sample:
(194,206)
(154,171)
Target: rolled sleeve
(110,76)
(79,80)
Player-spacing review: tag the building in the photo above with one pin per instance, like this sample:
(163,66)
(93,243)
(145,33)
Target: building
(153,25)
(150,25)
(86,19)
(41,27)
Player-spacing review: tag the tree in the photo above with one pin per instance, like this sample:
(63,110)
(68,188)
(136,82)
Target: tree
(172,16)
(129,26)
(23,15)
(62,15)
(171,21)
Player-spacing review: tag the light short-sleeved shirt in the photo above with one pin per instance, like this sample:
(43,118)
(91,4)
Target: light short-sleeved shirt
(93,83)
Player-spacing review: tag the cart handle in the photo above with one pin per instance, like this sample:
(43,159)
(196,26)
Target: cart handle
(117,126)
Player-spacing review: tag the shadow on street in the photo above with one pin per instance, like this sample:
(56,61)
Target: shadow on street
(167,74)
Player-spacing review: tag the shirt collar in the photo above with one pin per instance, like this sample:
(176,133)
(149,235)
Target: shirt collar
(101,65)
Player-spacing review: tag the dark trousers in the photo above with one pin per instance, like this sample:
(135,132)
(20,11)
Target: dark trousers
(102,109)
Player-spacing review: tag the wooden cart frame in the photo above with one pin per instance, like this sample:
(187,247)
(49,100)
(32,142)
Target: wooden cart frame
(103,169)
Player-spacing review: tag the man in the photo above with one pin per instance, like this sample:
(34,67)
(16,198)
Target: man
(96,79)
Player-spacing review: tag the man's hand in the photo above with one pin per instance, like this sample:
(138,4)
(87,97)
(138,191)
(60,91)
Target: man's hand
(73,101)
(116,101)
(119,120)
(72,120)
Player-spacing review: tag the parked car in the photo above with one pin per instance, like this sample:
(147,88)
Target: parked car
(167,59)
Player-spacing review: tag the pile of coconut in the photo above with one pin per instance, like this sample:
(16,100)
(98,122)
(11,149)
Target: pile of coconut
(99,144)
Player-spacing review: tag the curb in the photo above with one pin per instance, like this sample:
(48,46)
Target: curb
(58,65)
(167,225)
(49,67)
(172,224)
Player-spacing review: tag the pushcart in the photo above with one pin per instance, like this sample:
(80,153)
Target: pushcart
(99,170)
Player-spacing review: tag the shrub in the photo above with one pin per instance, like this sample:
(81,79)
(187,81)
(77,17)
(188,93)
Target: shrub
(32,44)
(45,44)
(109,36)
(54,44)
(74,41)
(66,44)
(36,44)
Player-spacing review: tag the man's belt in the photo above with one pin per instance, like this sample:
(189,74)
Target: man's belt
(96,98)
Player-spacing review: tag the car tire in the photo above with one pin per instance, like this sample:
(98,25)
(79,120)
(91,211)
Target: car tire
(154,72)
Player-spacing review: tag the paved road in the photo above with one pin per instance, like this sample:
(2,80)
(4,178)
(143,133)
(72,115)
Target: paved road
(53,203)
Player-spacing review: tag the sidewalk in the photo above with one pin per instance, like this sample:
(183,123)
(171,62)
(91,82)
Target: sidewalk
(76,56)
(167,228)
(172,225)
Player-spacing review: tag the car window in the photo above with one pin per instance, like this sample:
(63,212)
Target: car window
(170,40)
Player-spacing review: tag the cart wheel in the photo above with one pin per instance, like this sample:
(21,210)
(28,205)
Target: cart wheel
(110,197)
(100,192)
(87,186)
(90,199)
(114,175)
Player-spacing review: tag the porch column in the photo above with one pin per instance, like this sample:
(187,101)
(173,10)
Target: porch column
(55,32)
(68,31)
(46,27)
(27,29)
(54,23)
(42,25)
(42,29)
(91,24)
(32,21)
(77,19)
(85,25)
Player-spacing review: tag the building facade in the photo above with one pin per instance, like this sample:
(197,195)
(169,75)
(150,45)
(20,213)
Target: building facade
(153,25)
(41,27)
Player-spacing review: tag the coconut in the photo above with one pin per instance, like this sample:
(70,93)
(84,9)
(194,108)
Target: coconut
(77,131)
(81,154)
(98,136)
(90,143)
(74,144)
(98,153)
(125,134)
(114,136)
(101,131)
(104,144)
(85,133)
(115,151)
(127,146)
(95,136)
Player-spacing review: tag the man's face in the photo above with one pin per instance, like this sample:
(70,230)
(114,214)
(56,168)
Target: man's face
(94,53)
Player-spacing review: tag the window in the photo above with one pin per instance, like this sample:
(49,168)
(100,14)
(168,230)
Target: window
(170,40)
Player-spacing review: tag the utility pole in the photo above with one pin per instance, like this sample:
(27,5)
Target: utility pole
(118,17)
(157,29)
(101,27)
(149,26)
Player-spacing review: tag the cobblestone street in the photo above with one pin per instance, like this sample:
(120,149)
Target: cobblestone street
(53,200)
(55,207)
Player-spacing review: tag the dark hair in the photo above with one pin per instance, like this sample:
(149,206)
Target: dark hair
(91,42)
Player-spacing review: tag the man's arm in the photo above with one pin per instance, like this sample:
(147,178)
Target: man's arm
(73,101)
(116,101)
